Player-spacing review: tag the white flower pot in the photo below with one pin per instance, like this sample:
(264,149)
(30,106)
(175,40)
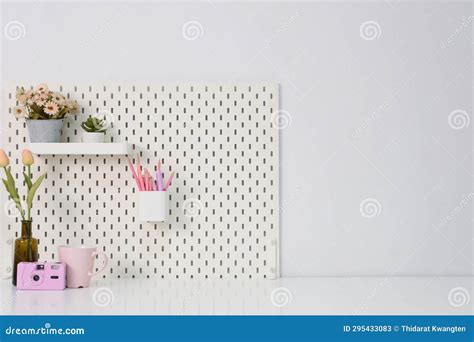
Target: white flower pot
(93,137)
(153,206)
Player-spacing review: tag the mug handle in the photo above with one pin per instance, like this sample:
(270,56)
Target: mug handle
(106,260)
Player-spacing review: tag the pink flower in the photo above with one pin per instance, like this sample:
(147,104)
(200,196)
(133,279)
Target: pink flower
(50,108)
(42,88)
(4,160)
(21,95)
(40,100)
(58,98)
(22,99)
(27,157)
(71,105)
(19,112)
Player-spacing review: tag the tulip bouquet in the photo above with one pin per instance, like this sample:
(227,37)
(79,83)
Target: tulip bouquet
(10,186)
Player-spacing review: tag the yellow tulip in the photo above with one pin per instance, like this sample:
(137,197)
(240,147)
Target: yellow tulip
(4,161)
(27,157)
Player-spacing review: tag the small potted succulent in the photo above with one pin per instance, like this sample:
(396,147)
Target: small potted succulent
(94,129)
(44,111)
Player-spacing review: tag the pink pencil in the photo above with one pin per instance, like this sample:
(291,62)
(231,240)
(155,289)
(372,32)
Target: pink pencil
(130,165)
(168,183)
(147,180)
(152,184)
(139,174)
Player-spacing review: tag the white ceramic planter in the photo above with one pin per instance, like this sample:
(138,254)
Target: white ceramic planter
(153,206)
(93,137)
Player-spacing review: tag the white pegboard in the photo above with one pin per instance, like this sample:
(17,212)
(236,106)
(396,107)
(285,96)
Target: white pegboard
(220,141)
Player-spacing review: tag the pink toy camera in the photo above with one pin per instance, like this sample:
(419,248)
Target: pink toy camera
(41,276)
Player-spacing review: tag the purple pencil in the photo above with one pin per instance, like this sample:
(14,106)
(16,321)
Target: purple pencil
(159,180)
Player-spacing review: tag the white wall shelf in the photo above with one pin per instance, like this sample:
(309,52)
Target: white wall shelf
(80,148)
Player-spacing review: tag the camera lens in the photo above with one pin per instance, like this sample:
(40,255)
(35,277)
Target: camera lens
(36,277)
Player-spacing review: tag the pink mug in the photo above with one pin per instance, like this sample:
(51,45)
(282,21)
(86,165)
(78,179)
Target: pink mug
(79,264)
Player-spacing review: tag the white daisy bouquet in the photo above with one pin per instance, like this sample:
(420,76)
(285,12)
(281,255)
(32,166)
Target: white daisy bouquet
(42,104)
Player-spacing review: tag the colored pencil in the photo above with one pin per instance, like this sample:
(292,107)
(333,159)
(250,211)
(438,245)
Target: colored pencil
(150,182)
(168,183)
(159,180)
(139,174)
(147,180)
(130,165)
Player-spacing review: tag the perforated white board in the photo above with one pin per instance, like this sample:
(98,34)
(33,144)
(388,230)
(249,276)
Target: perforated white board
(220,141)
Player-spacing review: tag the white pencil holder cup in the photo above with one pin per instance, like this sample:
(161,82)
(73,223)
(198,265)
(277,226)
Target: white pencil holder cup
(153,206)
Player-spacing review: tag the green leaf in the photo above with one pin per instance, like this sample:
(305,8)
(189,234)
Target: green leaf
(85,127)
(27,181)
(11,184)
(7,187)
(34,187)
(14,196)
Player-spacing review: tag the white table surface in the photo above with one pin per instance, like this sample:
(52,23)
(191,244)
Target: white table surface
(292,296)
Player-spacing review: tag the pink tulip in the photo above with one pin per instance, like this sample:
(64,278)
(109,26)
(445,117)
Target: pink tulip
(4,160)
(27,157)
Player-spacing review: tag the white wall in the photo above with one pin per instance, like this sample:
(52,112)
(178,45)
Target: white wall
(369,117)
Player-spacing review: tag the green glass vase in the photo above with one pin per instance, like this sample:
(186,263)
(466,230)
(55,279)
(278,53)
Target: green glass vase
(25,249)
